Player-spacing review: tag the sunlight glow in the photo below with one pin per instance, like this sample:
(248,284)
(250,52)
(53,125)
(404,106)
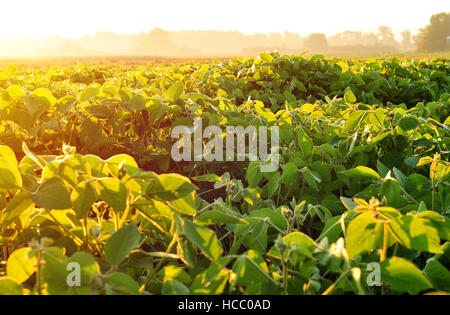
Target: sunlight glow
(46,18)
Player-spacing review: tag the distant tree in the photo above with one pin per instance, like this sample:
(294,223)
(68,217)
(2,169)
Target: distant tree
(347,38)
(433,37)
(275,38)
(386,37)
(406,39)
(370,39)
(292,40)
(157,42)
(316,41)
(385,33)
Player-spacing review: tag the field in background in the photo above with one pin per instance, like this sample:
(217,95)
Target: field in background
(88,177)
(40,62)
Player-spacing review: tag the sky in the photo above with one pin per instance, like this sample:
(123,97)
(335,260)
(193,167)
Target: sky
(75,18)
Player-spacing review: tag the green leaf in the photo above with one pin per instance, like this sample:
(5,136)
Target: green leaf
(15,207)
(212,178)
(409,123)
(402,179)
(9,287)
(305,142)
(248,274)
(349,97)
(52,194)
(382,169)
(126,162)
(301,245)
(114,192)
(185,204)
(266,57)
(437,274)
(312,178)
(332,229)
(216,217)
(9,175)
(138,101)
(83,196)
(275,217)
(391,189)
(353,120)
(403,276)
(361,172)
(348,203)
(220,214)
(364,233)
(174,92)
(119,283)
(441,223)
(213,280)
(187,252)
(15,92)
(418,185)
(300,86)
(442,172)
(38,160)
(273,185)
(66,103)
(203,238)
(44,96)
(290,174)
(254,234)
(89,93)
(447,121)
(9,155)
(121,243)
(20,266)
(90,132)
(416,233)
(96,165)
(174,287)
(253,174)
(101,111)
(174,273)
(39,102)
(12,68)
(54,273)
(170,187)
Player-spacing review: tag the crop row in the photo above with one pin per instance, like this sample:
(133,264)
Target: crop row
(360,202)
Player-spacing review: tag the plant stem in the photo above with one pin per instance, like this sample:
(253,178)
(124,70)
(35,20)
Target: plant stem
(433,196)
(333,286)
(79,240)
(385,242)
(116,221)
(38,272)
(124,216)
(153,273)
(285,275)
(86,231)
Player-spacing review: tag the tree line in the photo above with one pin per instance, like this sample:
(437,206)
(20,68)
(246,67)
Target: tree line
(159,42)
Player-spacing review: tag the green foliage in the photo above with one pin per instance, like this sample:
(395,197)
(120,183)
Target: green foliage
(86,177)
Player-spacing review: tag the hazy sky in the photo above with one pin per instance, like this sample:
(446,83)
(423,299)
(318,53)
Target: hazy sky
(69,18)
